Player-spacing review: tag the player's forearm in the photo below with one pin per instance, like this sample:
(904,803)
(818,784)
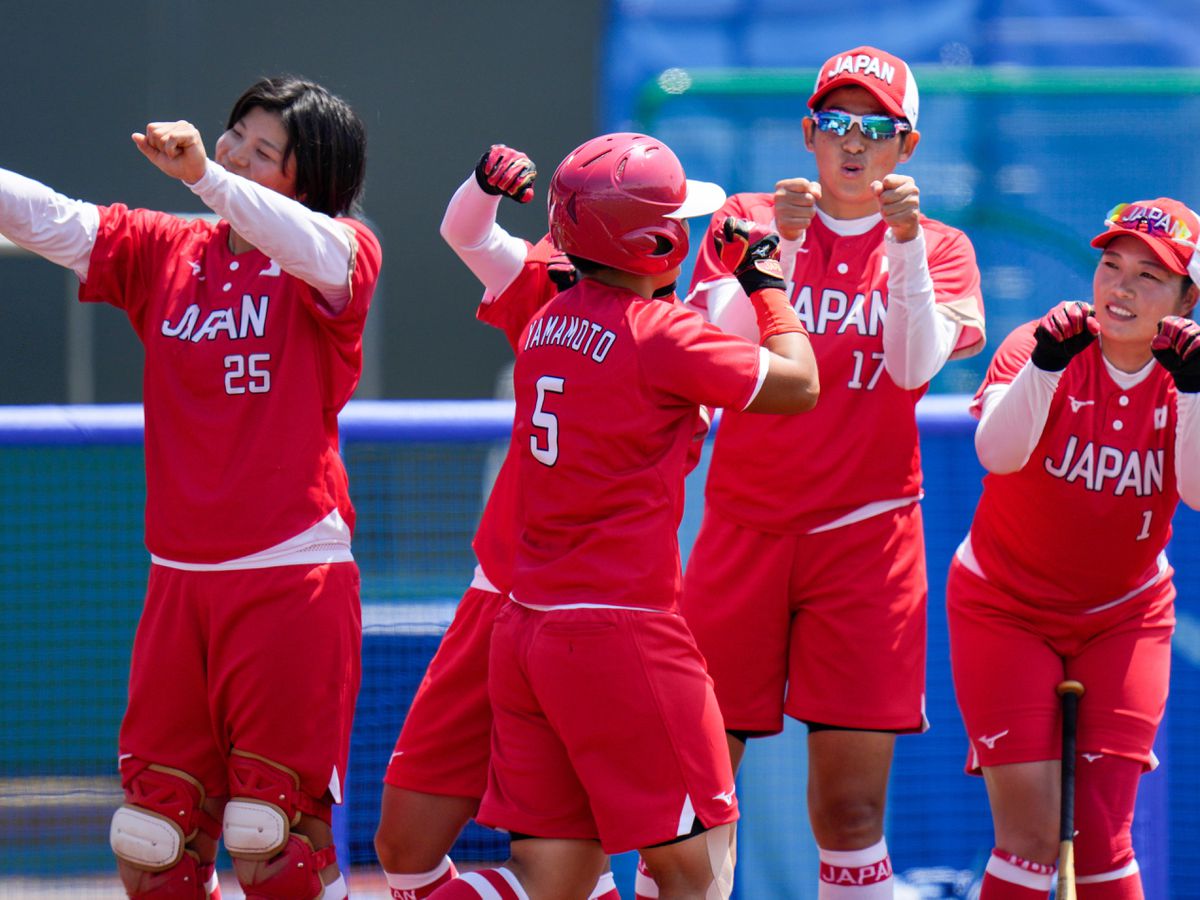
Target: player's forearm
(917,339)
(1187,448)
(469,226)
(308,245)
(1013,418)
(45,222)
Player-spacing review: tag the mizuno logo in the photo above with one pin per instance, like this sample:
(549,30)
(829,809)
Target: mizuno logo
(195,267)
(991,741)
(1077,405)
(1092,757)
(726,797)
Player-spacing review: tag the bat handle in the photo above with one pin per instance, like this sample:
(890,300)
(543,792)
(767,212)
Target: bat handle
(1070,692)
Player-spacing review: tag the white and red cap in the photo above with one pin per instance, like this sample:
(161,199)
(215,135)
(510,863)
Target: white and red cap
(1168,227)
(887,77)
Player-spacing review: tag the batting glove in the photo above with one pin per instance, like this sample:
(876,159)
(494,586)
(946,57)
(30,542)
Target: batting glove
(561,271)
(1177,349)
(503,170)
(1062,334)
(751,252)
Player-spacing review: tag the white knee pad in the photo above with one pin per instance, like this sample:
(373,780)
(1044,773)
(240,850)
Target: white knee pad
(147,840)
(254,829)
(722,856)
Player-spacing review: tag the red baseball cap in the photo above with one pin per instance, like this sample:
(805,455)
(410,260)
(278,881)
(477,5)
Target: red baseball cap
(1167,226)
(887,77)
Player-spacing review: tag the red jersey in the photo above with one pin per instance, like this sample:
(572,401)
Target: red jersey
(1084,521)
(495,540)
(859,445)
(245,373)
(607,385)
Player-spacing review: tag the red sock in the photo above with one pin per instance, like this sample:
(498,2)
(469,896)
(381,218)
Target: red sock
(1124,884)
(493,883)
(1009,877)
(605,889)
(644,888)
(421,885)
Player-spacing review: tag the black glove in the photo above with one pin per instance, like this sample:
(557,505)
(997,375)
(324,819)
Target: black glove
(1062,334)
(751,252)
(562,271)
(503,170)
(1177,349)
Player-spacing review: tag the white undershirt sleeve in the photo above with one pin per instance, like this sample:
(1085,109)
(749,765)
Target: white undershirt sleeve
(917,339)
(1013,418)
(308,245)
(469,227)
(45,222)
(1187,448)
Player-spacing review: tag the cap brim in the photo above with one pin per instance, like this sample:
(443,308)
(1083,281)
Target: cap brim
(1164,254)
(703,199)
(850,80)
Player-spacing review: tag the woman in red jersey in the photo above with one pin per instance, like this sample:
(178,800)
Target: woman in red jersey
(246,662)
(1090,431)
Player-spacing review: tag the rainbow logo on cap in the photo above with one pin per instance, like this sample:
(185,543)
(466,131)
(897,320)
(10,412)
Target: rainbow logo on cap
(1149,220)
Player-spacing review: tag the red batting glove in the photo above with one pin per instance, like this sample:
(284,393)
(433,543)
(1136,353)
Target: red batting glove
(1177,349)
(503,170)
(1062,334)
(562,271)
(755,264)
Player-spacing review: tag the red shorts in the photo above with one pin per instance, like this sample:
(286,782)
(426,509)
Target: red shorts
(264,660)
(1008,656)
(606,728)
(445,743)
(834,621)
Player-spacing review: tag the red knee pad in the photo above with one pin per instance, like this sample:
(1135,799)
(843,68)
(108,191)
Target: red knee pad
(293,874)
(183,881)
(162,813)
(1105,794)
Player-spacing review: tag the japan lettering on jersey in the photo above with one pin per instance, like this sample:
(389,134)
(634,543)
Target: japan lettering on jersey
(864,426)
(245,373)
(607,385)
(1084,521)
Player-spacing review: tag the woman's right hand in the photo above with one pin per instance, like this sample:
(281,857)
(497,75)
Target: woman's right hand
(174,147)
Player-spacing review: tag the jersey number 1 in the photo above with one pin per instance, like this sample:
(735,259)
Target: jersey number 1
(547,455)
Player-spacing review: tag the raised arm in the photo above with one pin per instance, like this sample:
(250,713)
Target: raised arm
(308,245)
(469,225)
(45,222)
(1177,349)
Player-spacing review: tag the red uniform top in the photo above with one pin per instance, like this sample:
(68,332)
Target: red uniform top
(495,540)
(244,376)
(859,445)
(1084,521)
(607,384)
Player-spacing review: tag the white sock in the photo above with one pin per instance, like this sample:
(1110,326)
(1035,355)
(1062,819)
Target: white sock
(644,887)
(336,889)
(856,874)
(408,882)
(603,886)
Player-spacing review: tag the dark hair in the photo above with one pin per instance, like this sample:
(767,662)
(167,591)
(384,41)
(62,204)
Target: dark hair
(326,137)
(585,266)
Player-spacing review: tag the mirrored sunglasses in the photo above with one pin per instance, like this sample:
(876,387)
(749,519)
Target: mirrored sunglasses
(875,126)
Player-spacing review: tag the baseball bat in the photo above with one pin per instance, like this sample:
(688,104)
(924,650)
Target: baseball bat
(1070,692)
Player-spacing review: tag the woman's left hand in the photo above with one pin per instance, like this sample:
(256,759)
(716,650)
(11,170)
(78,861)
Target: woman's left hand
(174,147)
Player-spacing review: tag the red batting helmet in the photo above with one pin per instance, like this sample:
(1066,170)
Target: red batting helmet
(618,199)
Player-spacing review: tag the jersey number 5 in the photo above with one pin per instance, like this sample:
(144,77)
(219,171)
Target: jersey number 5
(547,455)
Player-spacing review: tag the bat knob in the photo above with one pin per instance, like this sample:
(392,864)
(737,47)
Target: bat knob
(1069,687)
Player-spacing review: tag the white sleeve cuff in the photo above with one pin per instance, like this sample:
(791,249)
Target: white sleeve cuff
(1013,418)
(917,339)
(1187,448)
(308,245)
(47,223)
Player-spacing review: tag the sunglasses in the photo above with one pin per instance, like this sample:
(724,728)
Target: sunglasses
(874,126)
(1150,220)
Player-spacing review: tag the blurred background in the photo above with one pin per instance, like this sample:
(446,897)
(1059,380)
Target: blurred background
(1036,118)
